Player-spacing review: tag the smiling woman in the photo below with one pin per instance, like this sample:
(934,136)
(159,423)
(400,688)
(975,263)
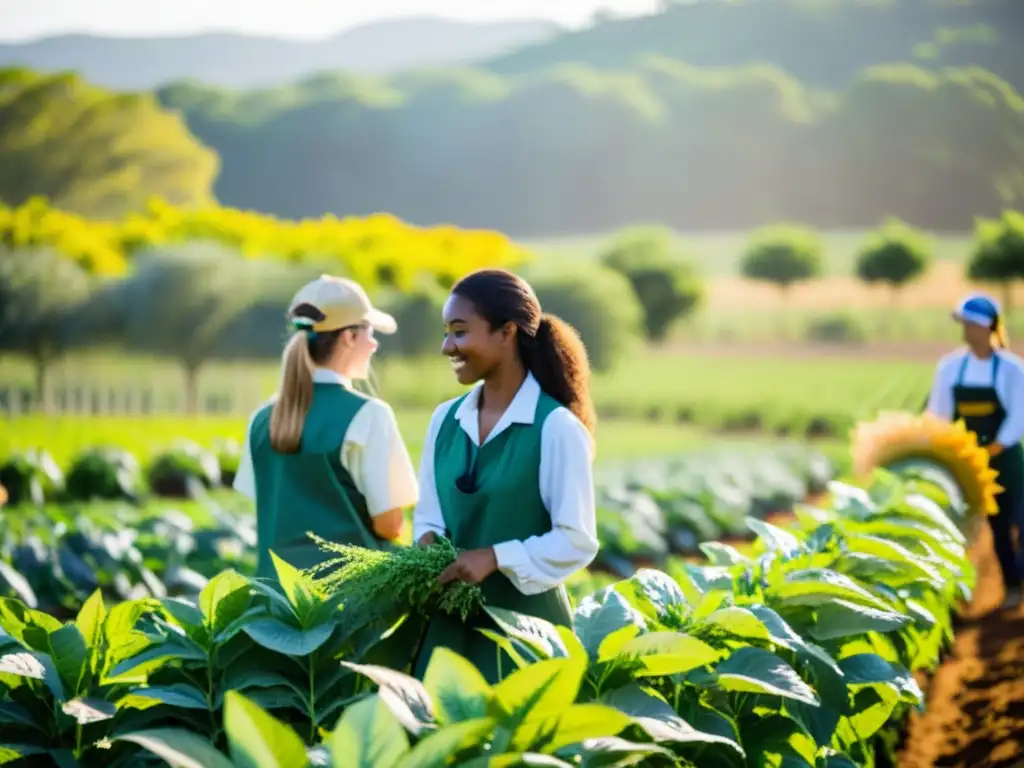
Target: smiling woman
(506,469)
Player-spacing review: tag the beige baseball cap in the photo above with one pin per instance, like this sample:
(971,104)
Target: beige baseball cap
(344,303)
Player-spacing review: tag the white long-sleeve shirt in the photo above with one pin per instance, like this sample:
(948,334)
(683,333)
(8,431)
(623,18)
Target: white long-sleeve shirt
(538,563)
(1009,386)
(372,452)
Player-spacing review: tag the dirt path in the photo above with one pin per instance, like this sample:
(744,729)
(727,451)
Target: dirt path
(975,706)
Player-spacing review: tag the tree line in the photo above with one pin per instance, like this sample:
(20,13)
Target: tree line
(199,299)
(572,150)
(563,151)
(823,43)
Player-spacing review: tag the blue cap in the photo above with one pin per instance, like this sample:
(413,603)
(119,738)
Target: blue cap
(978,309)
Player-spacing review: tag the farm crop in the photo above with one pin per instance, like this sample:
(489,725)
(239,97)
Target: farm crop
(163,528)
(800,651)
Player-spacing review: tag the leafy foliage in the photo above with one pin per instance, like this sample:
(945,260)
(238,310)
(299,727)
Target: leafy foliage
(600,305)
(94,151)
(896,255)
(666,286)
(783,255)
(999,255)
(800,651)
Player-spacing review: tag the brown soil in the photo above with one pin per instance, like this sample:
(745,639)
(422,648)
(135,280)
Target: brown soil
(975,705)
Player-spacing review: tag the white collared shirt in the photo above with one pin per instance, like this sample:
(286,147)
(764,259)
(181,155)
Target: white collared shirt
(372,452)
(566,487)
(1009,386)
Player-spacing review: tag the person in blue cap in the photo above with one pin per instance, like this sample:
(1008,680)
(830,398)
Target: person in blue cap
(984,386)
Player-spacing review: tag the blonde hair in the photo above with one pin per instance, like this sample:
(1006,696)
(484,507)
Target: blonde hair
(295,395)
(1000,338)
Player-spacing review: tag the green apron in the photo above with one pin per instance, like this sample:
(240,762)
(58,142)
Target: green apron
(309,490)
(505,505)
(983,413)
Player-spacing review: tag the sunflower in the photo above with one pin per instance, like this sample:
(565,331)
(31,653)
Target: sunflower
(895,440)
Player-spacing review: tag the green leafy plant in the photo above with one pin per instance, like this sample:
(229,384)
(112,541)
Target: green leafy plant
(378,582)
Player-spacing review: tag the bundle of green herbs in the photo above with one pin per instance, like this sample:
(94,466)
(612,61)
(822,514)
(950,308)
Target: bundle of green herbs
(375,582)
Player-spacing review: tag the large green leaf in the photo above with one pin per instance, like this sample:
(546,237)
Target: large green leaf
(176,695)
(257,739)
(872,669)
(368,736)
(601,614)
(275,635)
(755,670)
(540,636)
(669,653)
(70,656)
(90,619)
(546,686)
(224,598)
(299,590)
(89,710)
(456,687)
(406,696)
(178,747)
(656,716)
(548,731)
(842,618)
(818,586)
(653,592)
(438,749)
(739,622)
(775,538)
(614,752)
(155,656)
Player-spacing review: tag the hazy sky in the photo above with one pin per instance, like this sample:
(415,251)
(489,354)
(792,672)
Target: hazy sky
(24,19)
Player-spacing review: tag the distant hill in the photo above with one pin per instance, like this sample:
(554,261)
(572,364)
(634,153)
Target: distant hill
(245,61)
(820,42)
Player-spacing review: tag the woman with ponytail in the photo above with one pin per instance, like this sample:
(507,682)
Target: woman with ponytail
(320,456)
(984,386)
(506,469)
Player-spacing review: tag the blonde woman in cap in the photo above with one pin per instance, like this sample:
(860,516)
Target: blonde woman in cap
(320,456)
(984,386)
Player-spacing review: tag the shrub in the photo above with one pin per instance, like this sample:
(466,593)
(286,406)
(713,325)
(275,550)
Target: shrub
(836,329)
(600,305)
(418,314)
(184,471)
(105,473)
(783,255)
(31,478)
(665,285)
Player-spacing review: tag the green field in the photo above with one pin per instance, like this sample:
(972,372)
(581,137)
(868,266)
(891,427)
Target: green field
(717,254)
(815,396)
(66,436)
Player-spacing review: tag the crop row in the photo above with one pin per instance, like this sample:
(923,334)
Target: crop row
(55,555)
(801,652)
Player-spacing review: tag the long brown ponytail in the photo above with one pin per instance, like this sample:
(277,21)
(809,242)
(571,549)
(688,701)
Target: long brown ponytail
(549,347)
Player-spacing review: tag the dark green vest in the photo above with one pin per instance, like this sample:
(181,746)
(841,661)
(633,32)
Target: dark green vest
(505,506)
(309,490)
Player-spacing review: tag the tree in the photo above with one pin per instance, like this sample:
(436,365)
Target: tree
(665,285)
(41,295)
(600,305)
(94,151)
(177,304)
(896,255)
(999,253)
(783,255)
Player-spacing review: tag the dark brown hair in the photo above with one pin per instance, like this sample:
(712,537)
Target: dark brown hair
(549,347)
